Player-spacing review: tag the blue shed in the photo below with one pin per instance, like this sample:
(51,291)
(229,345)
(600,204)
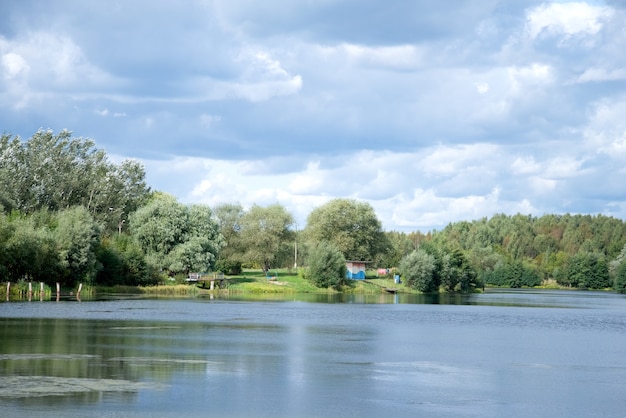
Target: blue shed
(355,270)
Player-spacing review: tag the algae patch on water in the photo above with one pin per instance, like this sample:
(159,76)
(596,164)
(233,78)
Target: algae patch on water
(152,360)
(41,356)
(37,386)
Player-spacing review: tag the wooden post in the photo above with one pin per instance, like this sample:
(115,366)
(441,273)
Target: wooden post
(41,291)
(58,291)
(212,285)
(80,287)
(30,291)
(8,289)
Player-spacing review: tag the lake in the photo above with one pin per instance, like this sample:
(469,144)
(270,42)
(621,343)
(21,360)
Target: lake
(504,353)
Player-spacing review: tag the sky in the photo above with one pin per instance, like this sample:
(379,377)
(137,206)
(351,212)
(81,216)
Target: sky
(433,112)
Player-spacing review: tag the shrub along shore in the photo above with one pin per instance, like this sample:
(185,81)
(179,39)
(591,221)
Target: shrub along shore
(280,281)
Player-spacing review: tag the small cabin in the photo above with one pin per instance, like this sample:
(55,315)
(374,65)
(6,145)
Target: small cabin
(355,270)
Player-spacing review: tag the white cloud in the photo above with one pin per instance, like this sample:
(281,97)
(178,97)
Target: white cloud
(262,91)
(258,78)
(482,88)
(309,181)
(606,131)
(424,208)
(399,57)
(525,165)
(209,121)
(522,78)
(563,167)
(601,74)
(263,77)
(541,185)
(13,65)
(447,161)
(43,65)
(566,19)
(57,59)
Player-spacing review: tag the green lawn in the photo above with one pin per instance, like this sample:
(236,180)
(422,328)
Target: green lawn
(278,281)
(288,281)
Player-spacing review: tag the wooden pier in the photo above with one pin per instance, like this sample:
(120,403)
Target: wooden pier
(215,280)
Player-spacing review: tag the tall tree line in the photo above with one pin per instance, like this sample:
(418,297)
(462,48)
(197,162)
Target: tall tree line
(573,250)
(56,172)
(67,213)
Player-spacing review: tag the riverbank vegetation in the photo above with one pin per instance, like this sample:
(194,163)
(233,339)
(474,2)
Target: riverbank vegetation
(68,215)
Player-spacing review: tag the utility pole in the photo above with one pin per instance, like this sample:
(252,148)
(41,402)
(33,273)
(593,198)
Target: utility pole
(295,251)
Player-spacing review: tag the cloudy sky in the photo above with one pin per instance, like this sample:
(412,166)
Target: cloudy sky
(431,111)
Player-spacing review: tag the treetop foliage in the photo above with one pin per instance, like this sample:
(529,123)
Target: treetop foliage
(520,250)
(56,172)
(352,226)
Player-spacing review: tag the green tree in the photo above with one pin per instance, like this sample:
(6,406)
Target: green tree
(351,226)
(400,245)
(11,172)
(265,234)
(56,172)
(6,231)
(587,270)
(159,226)
(123,263)
(418,271)
(29,251)
(619,283)
(77,238)
(23,251)
(118,191)
(230,259)
(455,272)
(617,262)
(326,266)
(175,237)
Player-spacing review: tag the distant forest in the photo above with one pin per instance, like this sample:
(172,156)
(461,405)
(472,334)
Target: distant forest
(581,251)
(68,214)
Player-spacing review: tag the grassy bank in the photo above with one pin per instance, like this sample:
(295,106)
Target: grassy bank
(288,281)
(279,281)
(250,282)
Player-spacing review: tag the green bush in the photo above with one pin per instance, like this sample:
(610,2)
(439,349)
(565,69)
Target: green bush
(418,270)
(514,274)
(620,278)
(588,271)
(326,266)
(229,267)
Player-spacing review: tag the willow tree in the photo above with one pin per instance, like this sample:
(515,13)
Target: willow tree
(352,226)
(265,235)
(56,172)
(418,271)
(229,216)
(175,237)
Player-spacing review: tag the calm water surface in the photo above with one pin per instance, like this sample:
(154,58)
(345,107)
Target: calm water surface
(498,354)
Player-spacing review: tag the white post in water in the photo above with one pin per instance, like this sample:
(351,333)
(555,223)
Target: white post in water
(80,287)
(8,289)
(58,291)
(40,290)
